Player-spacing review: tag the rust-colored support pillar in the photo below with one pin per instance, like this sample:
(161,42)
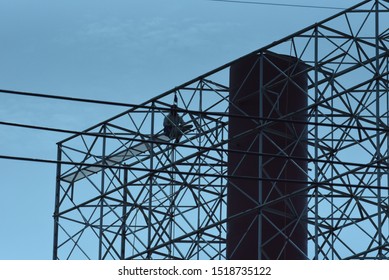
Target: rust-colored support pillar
(268,168)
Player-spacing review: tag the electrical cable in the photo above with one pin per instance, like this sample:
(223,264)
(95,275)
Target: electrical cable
(267,122)
(66,131)
(60,97)
(143,139)
(137,137)
(226,176)
(278,4)
(153,141)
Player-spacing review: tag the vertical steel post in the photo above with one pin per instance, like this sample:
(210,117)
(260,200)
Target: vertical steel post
(260,158)
(316,168)
(387,123)
(149,229)
(378,138)
(199,167)
(124,215)
(101,222)
(57,201)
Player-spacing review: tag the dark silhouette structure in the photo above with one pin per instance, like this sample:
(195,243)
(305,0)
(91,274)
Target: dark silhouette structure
(287,158)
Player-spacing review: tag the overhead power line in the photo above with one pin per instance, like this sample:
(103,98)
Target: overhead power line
(83,165)
(213,114)
(169,171)
(60,97)
(278,4)
(67,131)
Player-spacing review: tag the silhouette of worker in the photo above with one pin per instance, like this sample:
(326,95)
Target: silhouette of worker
(174,125)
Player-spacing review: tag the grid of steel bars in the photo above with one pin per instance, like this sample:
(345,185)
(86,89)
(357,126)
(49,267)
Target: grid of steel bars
(124,191)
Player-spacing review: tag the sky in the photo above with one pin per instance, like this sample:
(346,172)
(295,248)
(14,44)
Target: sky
(121,50)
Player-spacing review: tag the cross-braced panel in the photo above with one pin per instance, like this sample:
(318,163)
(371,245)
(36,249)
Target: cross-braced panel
(135,193)
(125,191)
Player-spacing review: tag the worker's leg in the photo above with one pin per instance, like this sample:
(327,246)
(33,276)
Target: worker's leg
(167,130)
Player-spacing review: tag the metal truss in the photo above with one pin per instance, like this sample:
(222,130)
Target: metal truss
(125,191)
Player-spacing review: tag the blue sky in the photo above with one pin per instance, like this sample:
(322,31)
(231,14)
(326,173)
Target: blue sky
(121,50)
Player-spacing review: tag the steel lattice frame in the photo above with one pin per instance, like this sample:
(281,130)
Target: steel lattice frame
(125,192)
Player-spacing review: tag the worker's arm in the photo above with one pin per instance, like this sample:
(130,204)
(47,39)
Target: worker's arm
(167,122)
(180,121)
